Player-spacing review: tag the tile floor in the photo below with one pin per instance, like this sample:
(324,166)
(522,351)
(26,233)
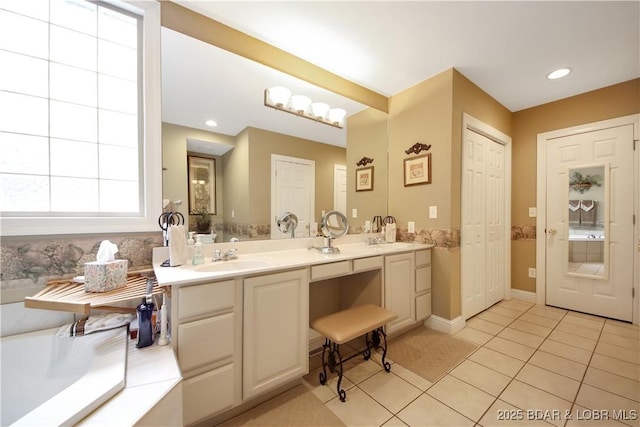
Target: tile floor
(535,365)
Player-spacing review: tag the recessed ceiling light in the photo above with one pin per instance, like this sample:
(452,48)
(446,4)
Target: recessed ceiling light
(558,73)
(211,123)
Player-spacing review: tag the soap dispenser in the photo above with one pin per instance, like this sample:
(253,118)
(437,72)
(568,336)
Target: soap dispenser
(198,257)
(145,313)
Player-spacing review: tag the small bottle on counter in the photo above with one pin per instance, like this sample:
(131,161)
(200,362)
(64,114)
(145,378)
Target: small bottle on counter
(198,257)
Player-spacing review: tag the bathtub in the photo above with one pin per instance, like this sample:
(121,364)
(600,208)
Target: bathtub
(52,380)
(582,235)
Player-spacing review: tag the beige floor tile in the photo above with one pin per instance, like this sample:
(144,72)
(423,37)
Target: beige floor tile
(503,311)
(412,378)
(328,391)
(362,371)
(613,383)
(484,326)
(600,400)
(510,348)
(479,376)
(545,311)
(521,337)
(359,409)
(559,365)
(539,320)
(631,356)
(503,414)
(571,339)
(620,341)
(548,381)
(474,335)
(581,320)
(462,397)
(530,328)
(623,331)
(592,334)
(581,416)
(497,361)
(616,366)
(530,398)
(515,304)
(567,351)
(394,422)
(391,391)
(622,324)
(495,318)
(426,411)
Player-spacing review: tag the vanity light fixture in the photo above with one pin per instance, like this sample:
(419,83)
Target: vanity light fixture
(561,72)
(280,98)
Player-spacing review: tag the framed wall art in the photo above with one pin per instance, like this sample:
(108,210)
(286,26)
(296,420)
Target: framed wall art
(364,179)
(202,184)
(417,170)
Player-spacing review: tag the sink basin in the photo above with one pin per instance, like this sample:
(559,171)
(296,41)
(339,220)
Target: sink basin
(234,265)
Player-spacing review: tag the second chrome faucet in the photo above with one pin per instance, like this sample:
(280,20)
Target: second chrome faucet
(227,255)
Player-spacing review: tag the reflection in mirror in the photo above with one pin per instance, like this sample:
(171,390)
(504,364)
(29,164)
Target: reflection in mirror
(587,220)
(334,224)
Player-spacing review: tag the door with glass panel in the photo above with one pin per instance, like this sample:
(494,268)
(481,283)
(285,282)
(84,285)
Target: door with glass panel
(589,229)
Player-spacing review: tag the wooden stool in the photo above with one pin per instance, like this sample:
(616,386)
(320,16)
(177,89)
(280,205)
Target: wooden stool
(343,326)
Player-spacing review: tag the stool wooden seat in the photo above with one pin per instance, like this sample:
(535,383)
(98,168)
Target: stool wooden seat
(346,325)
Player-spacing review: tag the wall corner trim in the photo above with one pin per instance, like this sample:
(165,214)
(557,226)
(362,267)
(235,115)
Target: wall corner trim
(447,326)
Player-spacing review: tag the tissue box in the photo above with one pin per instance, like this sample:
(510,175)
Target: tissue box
(105,276)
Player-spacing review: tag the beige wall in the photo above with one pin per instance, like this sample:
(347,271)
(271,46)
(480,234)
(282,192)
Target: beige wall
(367,133)
(614,101)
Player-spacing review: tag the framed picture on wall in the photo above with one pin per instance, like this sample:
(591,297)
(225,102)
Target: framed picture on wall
(417,170)
(364,179)
(202,184)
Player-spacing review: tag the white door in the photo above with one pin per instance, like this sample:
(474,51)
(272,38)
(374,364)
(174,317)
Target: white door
(600,285)
(483,223)
(340,188)
(292,190)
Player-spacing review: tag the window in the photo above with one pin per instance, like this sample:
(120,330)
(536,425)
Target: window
(78,117)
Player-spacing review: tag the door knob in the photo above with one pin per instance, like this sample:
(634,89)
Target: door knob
(552,231)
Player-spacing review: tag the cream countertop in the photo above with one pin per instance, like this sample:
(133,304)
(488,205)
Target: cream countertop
(271,255)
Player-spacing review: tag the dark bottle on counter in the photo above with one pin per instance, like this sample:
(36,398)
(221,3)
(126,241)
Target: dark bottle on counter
(145,329)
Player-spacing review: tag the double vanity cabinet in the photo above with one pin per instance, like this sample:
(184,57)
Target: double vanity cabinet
(240,334)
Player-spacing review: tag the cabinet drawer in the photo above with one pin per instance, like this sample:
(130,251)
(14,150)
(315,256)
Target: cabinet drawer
(333,269)
(208,298)
(423,279)
(208,393)
(423,306)
(370,263)
(423,257)
(205,341)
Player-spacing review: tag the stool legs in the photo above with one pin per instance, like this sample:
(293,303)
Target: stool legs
(331,357)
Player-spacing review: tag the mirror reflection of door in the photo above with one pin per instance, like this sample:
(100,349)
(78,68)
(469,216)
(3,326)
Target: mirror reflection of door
(589,201)
(292,190)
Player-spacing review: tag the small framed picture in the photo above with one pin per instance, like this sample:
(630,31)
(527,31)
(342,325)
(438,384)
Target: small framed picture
(364,179)
(202,184)
(417,170)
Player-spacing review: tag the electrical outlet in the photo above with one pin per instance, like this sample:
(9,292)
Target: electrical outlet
(532,273)
(354,213)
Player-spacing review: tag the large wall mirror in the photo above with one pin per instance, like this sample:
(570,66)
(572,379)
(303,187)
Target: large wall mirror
(201,82)
(587,219)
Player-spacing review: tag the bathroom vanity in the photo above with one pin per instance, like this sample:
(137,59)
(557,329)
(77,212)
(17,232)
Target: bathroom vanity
(240,328)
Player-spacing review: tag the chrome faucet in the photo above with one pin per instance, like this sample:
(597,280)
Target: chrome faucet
(230,254)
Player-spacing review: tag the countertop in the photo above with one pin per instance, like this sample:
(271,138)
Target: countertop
(270,256)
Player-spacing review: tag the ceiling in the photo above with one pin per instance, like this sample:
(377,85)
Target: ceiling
(506,48)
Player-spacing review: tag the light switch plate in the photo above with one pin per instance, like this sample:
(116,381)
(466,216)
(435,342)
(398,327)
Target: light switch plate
(354,213)
(532,273)
(433,212)
(412,227)
(533,212)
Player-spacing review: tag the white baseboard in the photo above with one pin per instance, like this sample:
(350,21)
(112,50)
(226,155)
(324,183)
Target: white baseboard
(445,325)
(523,295)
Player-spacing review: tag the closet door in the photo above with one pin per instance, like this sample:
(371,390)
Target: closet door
(483,223)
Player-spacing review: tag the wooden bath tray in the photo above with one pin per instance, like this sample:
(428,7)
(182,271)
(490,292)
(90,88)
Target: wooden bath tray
(66,295)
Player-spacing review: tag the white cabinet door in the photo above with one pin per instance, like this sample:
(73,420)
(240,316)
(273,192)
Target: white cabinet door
(399,283)
(276,329)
